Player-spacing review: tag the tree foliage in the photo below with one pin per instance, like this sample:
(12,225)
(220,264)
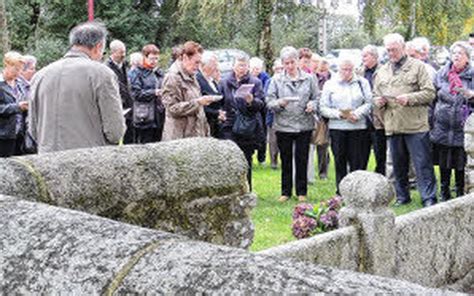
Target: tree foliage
(443,22)
(260,27)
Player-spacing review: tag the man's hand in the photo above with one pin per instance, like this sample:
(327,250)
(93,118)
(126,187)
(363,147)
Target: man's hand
(249,98)
(205,100)
(222,116)
(309,107)
(23,105)
(402,100)
(380,101)
(283,103)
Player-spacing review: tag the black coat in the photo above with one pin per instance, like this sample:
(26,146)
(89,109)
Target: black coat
(447,118)
(124,86)
(144,86)
(228,87)
(212,110)
(9,109)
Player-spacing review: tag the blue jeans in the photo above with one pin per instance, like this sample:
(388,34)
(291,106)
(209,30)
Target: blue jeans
(418,147)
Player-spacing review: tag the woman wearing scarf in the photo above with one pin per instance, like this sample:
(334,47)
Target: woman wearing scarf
(148,110)
(454,84)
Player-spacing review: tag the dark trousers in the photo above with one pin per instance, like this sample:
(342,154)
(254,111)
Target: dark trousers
(323,160)
(416,146)
(147,135)
(379,142)
(129,132)
(285,144)
(445,175)
(7,147)
(350,147)
(262,149)
(247,148)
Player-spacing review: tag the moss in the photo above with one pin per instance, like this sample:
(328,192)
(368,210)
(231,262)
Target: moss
(210,191)
(43,192)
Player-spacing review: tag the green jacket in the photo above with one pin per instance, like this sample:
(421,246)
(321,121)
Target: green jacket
(412,80)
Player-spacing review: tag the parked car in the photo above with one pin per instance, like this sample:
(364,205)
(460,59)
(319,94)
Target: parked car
(226,58)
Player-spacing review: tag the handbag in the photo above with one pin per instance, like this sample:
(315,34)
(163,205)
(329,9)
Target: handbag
(321,134)
(244,125)
(143,112)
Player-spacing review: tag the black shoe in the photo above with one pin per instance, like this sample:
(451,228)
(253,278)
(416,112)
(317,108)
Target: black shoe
(429,203)
(400,203)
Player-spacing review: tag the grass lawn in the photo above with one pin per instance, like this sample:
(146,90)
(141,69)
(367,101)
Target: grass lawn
(273,219)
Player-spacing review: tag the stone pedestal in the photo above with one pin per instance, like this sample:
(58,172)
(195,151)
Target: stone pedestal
(367,196)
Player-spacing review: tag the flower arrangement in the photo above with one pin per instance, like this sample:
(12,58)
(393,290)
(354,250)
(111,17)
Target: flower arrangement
(309,219)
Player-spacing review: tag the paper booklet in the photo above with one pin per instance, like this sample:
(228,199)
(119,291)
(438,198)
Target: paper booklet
(244,90)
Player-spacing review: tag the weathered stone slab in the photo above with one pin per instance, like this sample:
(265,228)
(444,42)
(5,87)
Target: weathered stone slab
(48,250)
(435,245)
(338,248)
(196,187)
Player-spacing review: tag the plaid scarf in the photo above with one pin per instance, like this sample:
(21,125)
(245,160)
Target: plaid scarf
(454,79)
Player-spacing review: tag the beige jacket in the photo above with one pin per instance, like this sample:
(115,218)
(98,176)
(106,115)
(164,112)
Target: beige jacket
(412,80)
(75,103)
(184,116)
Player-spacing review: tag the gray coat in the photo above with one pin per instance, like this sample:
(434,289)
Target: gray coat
(293,118)
(75,103)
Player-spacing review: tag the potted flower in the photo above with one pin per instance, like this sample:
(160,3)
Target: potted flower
(309,219)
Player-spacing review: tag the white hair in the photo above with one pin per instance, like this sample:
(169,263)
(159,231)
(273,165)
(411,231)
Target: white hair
(241,57)
(414,46)
(30,61)
(393,38)
(345,61)
(462,45)
(255,63)
(422,42)
(277,63)
(288,52)
(116,45)
(207,57)
(372,50)
(136,58)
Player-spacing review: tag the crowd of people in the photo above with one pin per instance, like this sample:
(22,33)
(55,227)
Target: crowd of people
(410,112)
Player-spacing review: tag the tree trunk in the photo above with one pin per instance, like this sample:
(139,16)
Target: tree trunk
(265,13)
(5,42)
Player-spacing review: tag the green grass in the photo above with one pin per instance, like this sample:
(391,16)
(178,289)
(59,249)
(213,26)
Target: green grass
(272,219)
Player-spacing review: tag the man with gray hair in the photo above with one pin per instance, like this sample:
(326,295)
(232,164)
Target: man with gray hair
(207,78)
(370,65)
(417,50)
(117,63)
(403,88)
(75,101)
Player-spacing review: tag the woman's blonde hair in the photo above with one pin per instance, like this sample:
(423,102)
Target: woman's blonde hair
(13,58)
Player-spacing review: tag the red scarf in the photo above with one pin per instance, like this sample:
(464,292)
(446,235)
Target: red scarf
(454,80)
(147,65)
